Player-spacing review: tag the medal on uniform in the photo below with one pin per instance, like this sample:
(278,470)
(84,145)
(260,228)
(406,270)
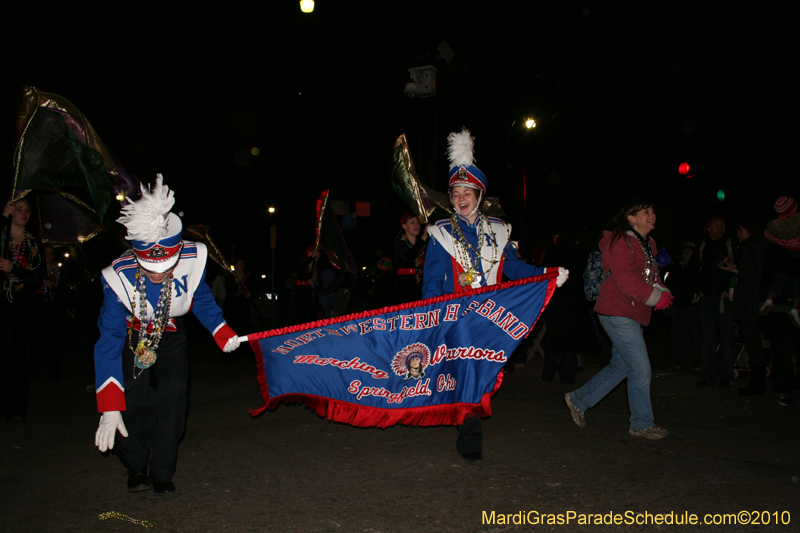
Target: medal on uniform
(145,357)
(465,279)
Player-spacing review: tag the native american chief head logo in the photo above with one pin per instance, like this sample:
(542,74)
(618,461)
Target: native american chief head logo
(412,361)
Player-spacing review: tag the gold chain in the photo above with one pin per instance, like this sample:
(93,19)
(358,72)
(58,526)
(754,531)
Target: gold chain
(650,272)
(124,518)
(465,246)
(149,342)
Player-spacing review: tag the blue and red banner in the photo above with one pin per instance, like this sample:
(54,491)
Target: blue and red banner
(430,362)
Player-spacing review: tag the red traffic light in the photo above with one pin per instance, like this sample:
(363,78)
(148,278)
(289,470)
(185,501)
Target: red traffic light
(684,168)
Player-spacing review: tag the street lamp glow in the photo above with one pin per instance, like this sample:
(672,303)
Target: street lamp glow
(530,123)
(306,6)
(271,209)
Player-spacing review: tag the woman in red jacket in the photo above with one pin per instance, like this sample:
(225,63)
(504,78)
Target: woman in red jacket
(624,306)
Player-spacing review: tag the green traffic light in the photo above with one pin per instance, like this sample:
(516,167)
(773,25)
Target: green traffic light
(720,195)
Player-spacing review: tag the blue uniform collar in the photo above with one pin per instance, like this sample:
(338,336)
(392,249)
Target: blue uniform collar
(465,221)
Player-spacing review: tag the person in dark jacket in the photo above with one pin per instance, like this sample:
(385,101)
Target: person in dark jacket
(569,326)
(332,292)
(236,307)
(22,270)
(409,260)
(681,278)
(715,310)
(747,266)
(784,339)
(785,231)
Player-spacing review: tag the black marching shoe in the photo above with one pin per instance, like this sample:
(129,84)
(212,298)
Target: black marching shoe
(163,487)
(472,458)
(138,481)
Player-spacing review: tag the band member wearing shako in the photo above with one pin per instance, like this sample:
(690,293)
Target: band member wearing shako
(468,251)
(141,359)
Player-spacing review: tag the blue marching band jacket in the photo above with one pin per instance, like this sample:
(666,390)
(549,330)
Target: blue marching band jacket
(190,292)
(444,259)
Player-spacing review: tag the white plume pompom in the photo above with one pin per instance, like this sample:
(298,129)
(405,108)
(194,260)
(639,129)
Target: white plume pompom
(459,149)
(146,219)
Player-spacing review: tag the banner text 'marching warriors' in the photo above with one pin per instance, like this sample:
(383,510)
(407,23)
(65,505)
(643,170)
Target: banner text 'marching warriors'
(352,364)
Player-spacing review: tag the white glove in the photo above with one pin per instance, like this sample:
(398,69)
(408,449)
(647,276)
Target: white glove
(110,422)
(563,275)
(231,345)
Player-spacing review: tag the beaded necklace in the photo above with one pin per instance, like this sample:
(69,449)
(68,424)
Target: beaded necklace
(650,271)
(13,283)
(419,259)
(465,252)
(145,352)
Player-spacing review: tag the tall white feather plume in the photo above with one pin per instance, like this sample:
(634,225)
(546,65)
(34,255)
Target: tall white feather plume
(146,219)
(459,148)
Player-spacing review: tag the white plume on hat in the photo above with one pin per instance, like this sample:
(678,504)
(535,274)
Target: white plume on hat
(459,148)
(146,219)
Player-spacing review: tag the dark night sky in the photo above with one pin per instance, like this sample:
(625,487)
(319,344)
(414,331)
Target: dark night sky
(622,96)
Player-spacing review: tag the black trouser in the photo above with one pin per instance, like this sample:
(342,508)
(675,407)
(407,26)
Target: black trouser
(155,400)
(712,320)
(567,367)
(17,321)
(686,336)
(470,435)
(784,343)
(46,350)
(750,333)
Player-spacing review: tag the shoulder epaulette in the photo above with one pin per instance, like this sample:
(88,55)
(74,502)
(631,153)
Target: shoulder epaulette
(443,222)
(124,262)
(189,249)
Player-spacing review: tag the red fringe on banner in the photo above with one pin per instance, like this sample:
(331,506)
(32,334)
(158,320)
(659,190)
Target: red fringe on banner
(361,416)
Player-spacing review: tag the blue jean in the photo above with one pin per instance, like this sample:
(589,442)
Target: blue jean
(629,359)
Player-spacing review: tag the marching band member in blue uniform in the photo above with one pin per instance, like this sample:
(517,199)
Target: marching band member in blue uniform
(470,250)
(141,359)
